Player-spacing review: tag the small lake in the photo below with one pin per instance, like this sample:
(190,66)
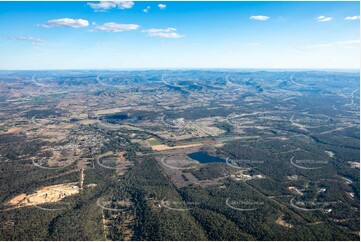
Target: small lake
(202,157)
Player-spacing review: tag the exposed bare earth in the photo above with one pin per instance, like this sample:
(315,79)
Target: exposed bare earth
(49,194)
(354,164)
(13,130)
(166,147)
(280,221)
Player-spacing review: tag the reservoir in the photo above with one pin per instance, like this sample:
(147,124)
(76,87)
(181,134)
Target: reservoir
(202,157)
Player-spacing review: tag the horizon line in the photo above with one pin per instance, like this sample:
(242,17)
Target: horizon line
(185,68)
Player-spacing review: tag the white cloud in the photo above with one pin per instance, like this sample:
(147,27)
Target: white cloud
(349,42)
(323,19)
(102,6)
(115,27)
(162,6)
(320,45)
(66,22)
(259,18)
(146,9)
(31,39)
(163,33)
(351,18)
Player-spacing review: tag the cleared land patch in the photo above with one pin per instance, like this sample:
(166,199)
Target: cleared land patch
(49,194)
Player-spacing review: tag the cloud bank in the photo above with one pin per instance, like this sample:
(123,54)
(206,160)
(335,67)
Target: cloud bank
(163,33)
(323,19)
(259,18)
(66,22)
(30,39)
(115,27)
(103,6)
(162,6)
(352,18)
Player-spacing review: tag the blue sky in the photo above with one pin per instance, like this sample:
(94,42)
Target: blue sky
(128,35)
